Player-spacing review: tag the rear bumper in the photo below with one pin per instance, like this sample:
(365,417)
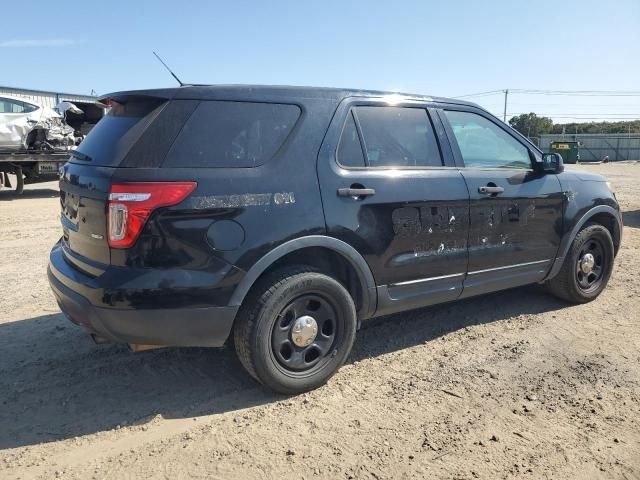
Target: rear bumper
(199,326)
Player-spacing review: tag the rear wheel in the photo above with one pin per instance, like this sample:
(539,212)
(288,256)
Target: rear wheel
(295,330)
(586,268)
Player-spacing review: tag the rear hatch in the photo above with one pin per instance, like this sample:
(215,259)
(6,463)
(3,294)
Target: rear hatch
(86,178)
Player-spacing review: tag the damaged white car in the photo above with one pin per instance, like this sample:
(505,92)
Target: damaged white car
(27,126)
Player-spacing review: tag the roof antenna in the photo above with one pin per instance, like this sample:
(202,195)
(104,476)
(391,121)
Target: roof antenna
(165,66)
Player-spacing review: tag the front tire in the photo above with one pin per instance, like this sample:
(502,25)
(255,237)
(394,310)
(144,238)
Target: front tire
(587,267)
(295,329)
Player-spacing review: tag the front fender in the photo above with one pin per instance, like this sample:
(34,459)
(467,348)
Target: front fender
(567,239)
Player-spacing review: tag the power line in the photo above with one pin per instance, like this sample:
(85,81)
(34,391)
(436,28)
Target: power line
(633,115)
(594,93)
(577,117)
(480,94)
(582,93)
(604,119)
(527,104)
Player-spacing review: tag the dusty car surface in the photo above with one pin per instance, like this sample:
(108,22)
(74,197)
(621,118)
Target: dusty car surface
(284,216)
(30,126)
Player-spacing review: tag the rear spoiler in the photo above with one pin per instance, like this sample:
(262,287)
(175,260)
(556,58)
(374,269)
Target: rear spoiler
(127,96)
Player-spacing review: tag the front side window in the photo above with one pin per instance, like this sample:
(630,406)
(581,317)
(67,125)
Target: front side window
(398,137)
(485,145)
(13,106)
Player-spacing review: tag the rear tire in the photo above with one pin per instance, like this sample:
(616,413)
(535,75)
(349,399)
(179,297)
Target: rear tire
(587,267)
(295,329)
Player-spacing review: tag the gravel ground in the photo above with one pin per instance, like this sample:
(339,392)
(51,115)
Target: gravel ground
(511,385)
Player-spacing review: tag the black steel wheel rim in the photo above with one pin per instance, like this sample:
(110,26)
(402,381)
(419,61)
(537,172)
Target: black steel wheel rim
(298,360)
(590,281)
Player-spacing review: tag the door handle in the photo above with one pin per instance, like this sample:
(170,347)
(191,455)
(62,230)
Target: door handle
(356,192)
(490,190)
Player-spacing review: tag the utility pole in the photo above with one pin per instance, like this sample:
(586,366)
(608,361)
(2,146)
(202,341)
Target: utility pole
(506,94)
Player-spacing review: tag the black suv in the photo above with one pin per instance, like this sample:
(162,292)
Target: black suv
(281,217)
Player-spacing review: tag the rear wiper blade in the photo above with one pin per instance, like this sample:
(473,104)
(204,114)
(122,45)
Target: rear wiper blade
(80,155)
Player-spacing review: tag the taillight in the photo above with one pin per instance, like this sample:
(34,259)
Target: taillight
(131,204)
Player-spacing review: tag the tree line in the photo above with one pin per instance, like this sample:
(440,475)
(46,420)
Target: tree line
(531,125)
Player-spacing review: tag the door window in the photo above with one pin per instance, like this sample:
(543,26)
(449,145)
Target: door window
(398,137)
(485,145)
(14,106)
(350,150)
(392,137)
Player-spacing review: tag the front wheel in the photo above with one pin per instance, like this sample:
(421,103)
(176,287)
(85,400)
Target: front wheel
(587,266)
(295,330)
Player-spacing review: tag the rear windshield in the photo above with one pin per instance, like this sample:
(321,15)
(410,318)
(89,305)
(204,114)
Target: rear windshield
(108,142)
(232,134)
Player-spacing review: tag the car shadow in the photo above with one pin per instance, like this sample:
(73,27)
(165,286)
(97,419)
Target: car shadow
(56,384)
(6,194)
(631,219)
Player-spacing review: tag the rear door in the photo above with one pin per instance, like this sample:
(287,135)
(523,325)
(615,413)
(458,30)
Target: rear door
(390,189)
(516,210)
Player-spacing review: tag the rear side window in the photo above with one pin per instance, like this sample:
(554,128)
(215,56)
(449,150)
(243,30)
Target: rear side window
(232,134)
(109,141)
(28,108)
(398,137)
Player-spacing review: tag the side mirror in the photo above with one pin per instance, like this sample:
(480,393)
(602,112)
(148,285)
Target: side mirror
(552,163)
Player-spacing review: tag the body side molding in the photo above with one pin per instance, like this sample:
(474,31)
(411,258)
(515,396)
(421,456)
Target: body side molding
(349,253)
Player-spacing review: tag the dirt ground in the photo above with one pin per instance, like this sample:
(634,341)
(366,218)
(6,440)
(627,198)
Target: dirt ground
(511,385)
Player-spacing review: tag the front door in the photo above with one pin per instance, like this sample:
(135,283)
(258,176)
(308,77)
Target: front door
(390,189)
(516,210)
(17,119)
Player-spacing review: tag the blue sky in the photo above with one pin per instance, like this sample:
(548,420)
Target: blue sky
(445,48)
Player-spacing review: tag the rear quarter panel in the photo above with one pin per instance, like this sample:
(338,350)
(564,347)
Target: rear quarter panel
(262,207)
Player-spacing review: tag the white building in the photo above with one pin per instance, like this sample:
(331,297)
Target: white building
(45,98)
